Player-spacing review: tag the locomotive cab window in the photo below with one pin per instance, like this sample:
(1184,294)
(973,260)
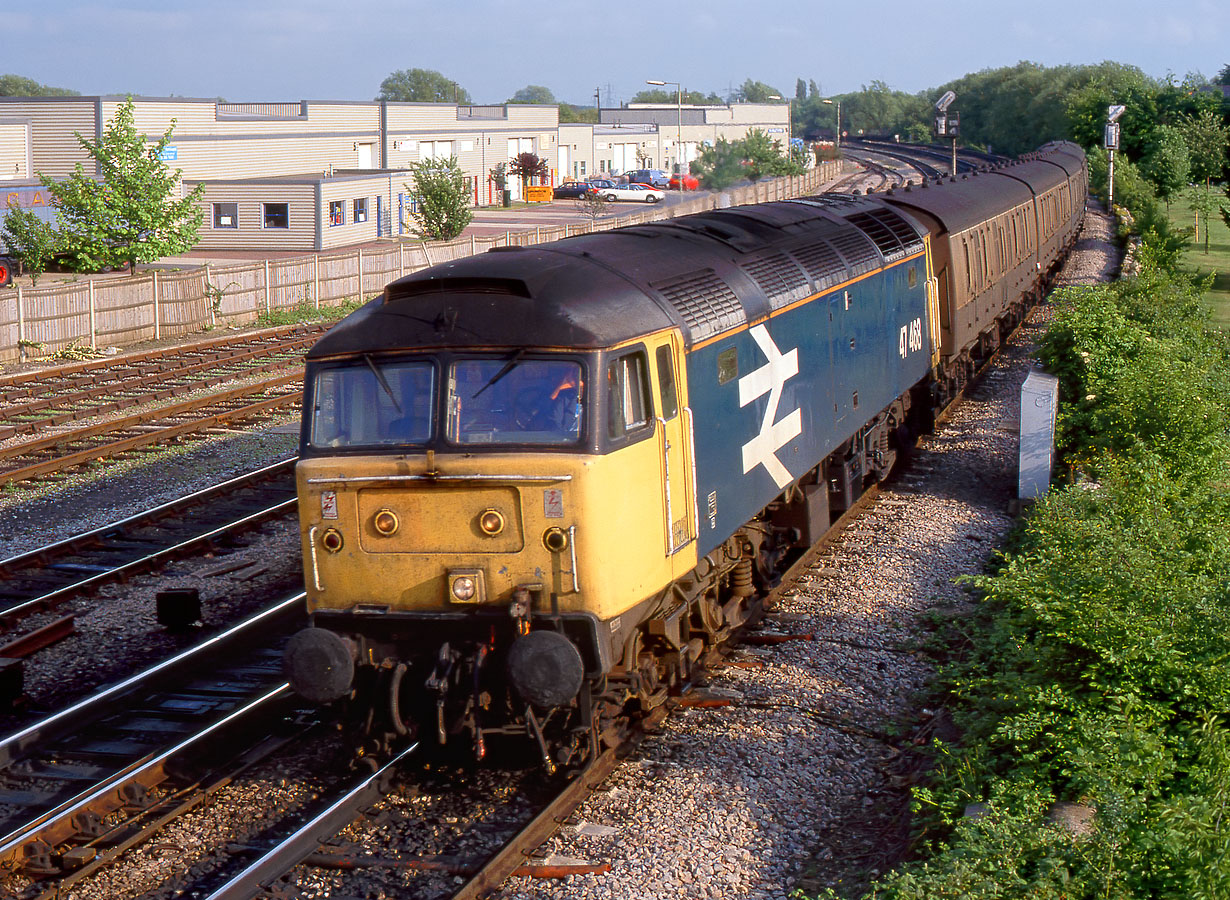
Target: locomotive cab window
(514,400)
(373,403)
(627,384)
(666,383)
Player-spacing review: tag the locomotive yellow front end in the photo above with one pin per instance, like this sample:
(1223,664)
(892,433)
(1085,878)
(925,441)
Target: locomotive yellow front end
(457,505)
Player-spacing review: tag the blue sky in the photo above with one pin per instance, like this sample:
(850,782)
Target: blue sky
(341,50)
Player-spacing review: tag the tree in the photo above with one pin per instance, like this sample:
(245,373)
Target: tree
(128,214)
(1223,77)
(32,240)
(441,190)
(669,98)
(592,205)
(800,89)
(422,86)
(720,165)
(755,92)
(533,93)
(17,86)
(1167,164)
(1206,137)
(569,113)
(528,165)
(763,157)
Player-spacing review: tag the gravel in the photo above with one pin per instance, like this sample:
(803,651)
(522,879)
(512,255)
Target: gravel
(802,782)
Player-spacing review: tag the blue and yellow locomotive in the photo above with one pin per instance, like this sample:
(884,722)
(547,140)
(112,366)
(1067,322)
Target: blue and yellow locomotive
(536,484)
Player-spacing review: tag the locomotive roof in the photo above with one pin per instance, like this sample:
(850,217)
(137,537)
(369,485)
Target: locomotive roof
(705,273)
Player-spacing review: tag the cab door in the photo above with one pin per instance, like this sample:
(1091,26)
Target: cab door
(674,450)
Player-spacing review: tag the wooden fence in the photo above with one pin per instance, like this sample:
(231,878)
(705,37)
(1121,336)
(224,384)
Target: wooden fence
(120,311)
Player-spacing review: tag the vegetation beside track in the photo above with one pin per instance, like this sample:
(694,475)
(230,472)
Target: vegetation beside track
(1092,689)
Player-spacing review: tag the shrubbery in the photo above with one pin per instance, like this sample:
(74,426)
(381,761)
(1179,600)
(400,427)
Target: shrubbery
(1099,673)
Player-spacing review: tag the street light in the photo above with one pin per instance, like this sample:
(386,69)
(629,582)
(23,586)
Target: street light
(678,127)
(838,102)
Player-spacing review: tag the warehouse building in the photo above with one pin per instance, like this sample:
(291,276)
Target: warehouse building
(313,175)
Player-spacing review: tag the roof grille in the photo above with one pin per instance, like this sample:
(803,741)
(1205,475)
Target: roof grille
(860,254)
(891,233)
(821,263)
(779,278)
(705,301)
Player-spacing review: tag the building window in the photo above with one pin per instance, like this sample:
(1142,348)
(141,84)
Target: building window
(226,215)
(337,216)
(277,215)
(360,210)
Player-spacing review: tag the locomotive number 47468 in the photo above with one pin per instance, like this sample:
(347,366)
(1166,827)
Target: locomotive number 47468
(911,338)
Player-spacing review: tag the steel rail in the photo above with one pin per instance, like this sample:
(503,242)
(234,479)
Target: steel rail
(309,837)
(58,724)
(53,598)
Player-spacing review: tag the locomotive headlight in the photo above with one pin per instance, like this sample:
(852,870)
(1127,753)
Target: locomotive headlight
(385,521)
(491,522)
(331,540)
(466,586)
(555,539)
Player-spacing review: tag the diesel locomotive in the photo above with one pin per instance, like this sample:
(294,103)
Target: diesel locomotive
(536,484)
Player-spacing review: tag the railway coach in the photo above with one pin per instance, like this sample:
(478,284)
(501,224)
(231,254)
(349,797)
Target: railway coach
(537,483)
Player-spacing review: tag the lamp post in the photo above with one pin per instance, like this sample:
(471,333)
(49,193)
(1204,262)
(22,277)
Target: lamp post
(678,127)
(838,103)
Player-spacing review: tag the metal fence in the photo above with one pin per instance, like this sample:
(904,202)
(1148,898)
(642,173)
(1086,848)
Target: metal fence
(120,311)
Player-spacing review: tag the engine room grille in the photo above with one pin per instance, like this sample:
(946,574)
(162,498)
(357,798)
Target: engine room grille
(860,254)
(779,278)
(821,263)
(705,301)
(891,233)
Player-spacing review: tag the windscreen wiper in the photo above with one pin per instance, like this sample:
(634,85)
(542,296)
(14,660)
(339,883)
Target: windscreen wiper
(508,367)
(383,383)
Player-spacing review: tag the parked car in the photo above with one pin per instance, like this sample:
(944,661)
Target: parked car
(635,192)
(690,182)
(603,183)
(572,190)
(652,177)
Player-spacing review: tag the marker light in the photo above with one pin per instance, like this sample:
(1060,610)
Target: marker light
(385,521)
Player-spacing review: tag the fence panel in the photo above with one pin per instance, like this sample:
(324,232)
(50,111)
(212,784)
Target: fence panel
(339,273)
(291,283)
(57,317)
(235,295)
(123,312)
(182,303)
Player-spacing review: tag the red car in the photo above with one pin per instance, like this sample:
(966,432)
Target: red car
(690,182)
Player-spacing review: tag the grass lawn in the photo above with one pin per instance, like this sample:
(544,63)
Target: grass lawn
(1217,260)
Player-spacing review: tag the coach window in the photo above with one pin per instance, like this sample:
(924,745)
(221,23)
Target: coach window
(627,384)
(337,215)
(666,383)
(226,215)
(277,215)
(360,210)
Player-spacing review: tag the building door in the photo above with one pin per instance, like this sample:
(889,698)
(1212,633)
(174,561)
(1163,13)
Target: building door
(365,155)
(563,160)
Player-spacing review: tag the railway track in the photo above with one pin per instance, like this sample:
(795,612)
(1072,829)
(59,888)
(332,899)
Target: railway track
(84,784)
(56,419)
(44,578)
